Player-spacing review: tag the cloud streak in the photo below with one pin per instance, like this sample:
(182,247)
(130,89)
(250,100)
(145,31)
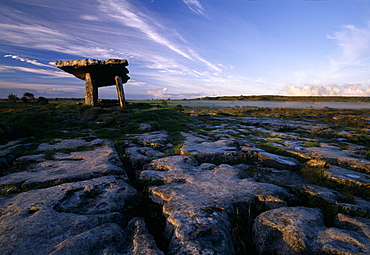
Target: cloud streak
(124,12)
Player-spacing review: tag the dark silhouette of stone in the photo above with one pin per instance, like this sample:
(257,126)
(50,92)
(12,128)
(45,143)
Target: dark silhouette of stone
(96,74)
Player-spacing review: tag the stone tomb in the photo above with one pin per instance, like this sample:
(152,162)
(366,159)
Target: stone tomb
(96,74)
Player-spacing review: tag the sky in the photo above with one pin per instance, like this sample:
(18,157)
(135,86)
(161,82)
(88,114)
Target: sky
(179,49)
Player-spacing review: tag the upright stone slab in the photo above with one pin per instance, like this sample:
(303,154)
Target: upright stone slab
(96,74)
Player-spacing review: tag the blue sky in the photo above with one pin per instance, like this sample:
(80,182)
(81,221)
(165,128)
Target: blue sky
(189,48)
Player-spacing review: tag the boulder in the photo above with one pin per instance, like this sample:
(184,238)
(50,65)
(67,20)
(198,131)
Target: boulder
(287,230)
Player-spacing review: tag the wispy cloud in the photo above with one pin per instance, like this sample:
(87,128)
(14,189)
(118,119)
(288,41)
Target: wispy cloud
(124,12)
(347,63)
(354,46)
(30,61)
(128,15)
(89,17)
(195,6)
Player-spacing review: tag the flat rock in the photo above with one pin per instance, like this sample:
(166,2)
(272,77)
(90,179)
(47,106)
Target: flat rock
(68,144)
(338,173)
(42,221)
(67,167)
(335,156)
(278,161)
(138,156)
(220,151)
(197,198)
(324,193)
(156,139)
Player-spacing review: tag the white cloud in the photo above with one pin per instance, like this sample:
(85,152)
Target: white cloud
(330,90)
(157,92)
(195,6)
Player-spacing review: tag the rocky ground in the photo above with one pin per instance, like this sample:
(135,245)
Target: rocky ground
(236,185)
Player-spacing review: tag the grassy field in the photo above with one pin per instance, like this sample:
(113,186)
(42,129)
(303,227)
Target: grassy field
(70,120)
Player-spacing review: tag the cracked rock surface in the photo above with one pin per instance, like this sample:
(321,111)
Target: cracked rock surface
(236,185)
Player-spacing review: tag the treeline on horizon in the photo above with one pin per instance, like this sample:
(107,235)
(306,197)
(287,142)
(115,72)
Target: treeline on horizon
(351,99)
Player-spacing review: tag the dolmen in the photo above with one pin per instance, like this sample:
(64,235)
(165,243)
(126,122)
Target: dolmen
(96,74)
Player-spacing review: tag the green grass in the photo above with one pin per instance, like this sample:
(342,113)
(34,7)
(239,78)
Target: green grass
(69,120)
(311,144)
